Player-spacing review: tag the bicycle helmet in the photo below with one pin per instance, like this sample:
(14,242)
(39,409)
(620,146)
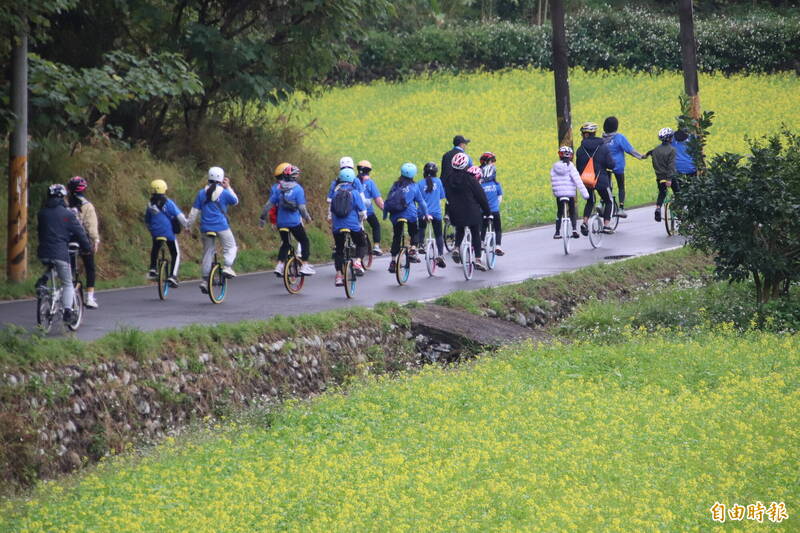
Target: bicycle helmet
(460,161)
(346,175)
(216,174)
(566,151)
(665,134)
(589,127)
(77,184)
(475,171)
(56,190)
(346,162)
(430,169)
(290,173)
(278,172)
(364,165)
(408,170)
(158,187)
(488,157)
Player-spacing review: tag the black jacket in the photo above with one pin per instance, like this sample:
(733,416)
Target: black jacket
(447,166)
(58,226)
(602,159)
(466,201)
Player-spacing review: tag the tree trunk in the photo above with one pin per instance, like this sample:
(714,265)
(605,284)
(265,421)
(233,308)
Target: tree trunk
(561,74)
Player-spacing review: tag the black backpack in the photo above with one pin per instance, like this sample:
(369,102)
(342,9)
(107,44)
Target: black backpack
(395,200)
(286,202)
(342,201)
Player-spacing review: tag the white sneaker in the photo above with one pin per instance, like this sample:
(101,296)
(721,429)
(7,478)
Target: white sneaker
(307,269)
(479,265)
(228,271)
(339,281)
(376,250)
(359,268)
(204,287)
(152,275)
(90,302)
(279,268)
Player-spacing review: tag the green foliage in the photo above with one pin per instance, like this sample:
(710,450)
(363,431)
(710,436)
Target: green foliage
(743,210)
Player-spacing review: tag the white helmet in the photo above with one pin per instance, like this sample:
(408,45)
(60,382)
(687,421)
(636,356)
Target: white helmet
(216,174)
(665,134)
(346,162)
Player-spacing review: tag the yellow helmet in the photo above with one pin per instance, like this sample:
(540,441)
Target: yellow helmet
(588,127)
(279,169)
(158,187)
(364,164)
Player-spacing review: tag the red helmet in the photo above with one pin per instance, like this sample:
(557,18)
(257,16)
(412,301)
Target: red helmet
(488,157)
(566,151)
(290,173)
(475,171)
(460,161)
(77,184)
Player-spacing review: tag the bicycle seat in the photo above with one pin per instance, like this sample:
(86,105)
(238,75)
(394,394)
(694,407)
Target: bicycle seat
(161,238)
(402,220)
(344,230)
(284,229)
(563,198)
(211,234)
(489,217)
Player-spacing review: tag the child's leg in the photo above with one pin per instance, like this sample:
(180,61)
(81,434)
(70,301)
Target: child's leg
(437,232)
(283,251)
(419,239)
(558,215)
(413,231)
(587,209)
(375,224)
(396,236)
(621,187)
(208,255)
(154,253)
(229,248)
(338,239)
(300,235)
(498,227)
(459,236)
(662,193)
(175,253)
(573,213)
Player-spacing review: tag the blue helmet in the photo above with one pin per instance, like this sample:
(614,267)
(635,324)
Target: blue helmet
(347,175)
(408,170)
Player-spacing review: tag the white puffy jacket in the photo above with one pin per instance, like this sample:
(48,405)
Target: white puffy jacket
(565,179)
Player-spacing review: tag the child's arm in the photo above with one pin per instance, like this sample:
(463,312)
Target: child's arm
(628,147)
(499,193)
(420,201)
(576,179)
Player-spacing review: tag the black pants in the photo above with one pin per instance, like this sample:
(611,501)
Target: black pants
(174,253)
(88,266)
(662,190)
(339,238)
(573,214)
(411,227)
(437,233)
(375,224)
(299,233)
(498,228)
(605,195)
(621,187)
(476,238)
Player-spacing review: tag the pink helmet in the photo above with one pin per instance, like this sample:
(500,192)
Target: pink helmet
(475,171)
(460,161)
(77,184)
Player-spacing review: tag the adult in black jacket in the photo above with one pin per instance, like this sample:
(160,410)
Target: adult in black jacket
(594,147)
(57,227)
(466,206)
(459,146)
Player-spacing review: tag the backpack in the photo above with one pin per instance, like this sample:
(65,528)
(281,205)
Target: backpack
(589,176)
(342,201)
(287,203)
(396,200)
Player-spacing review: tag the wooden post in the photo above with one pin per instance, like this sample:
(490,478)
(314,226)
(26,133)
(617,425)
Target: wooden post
(17,249)
(689,56)
(561,74)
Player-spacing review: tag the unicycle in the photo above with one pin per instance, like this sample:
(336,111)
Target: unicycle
(217,281)
(490,243)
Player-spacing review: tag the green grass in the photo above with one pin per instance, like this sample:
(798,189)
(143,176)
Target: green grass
(643,435)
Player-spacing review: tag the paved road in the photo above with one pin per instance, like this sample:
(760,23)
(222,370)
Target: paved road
(531,253)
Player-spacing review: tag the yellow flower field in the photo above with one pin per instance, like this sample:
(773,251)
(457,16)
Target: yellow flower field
(512,114)
(641,436)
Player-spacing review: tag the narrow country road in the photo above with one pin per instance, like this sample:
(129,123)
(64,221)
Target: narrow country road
(531,253)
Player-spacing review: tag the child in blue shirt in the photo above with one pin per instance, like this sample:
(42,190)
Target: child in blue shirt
(618,146)
(494,194)
(161,217)
(684,164)
(371,194)
(347,211)
(290,199)
(211,204)
(432,192)
(402,202)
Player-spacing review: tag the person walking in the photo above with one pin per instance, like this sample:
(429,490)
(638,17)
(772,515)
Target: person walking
(459,146)
(618,146)
(466,206)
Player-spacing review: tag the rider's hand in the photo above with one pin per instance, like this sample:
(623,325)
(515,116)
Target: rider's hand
(274,227)
(95,247)
(226,182)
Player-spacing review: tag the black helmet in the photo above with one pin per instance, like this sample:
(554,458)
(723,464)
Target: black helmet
(56,191)
(430,169)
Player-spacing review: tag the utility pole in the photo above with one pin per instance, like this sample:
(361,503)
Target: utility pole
(689,56)
(561,74)
(17,250)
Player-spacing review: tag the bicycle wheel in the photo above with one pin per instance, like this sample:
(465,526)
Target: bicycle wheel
(490,246)
(615,215)
(566,233)
(595,231)
(163,274)
(349,279)
(403,268)
(366,259)
(430,257)
(449,237)
(669,220)
(467,264)
(44,310)
(77,308)
(217,284)
(292,278)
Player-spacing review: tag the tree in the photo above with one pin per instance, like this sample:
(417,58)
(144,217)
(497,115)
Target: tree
(744,211)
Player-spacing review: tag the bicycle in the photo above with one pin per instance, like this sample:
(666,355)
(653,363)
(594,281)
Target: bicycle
(348,267)
(490,243)
(614,213)
(162,269)
(48,297)
(449,234)
(467,255)
(430,249)
(403,265)
(566,223)
(293,280)
(667,215)
(596,224)
(217,281)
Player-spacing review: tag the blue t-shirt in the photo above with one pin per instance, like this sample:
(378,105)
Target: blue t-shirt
(684,164)
(618,146)
(159,221)
(413,199)
(288,218)
(493,191)
(351,221)
(213,214)
(433,199)
(370,191)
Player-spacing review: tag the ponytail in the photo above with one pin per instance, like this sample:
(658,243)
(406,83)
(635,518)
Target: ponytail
(429,184)
(210,191)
